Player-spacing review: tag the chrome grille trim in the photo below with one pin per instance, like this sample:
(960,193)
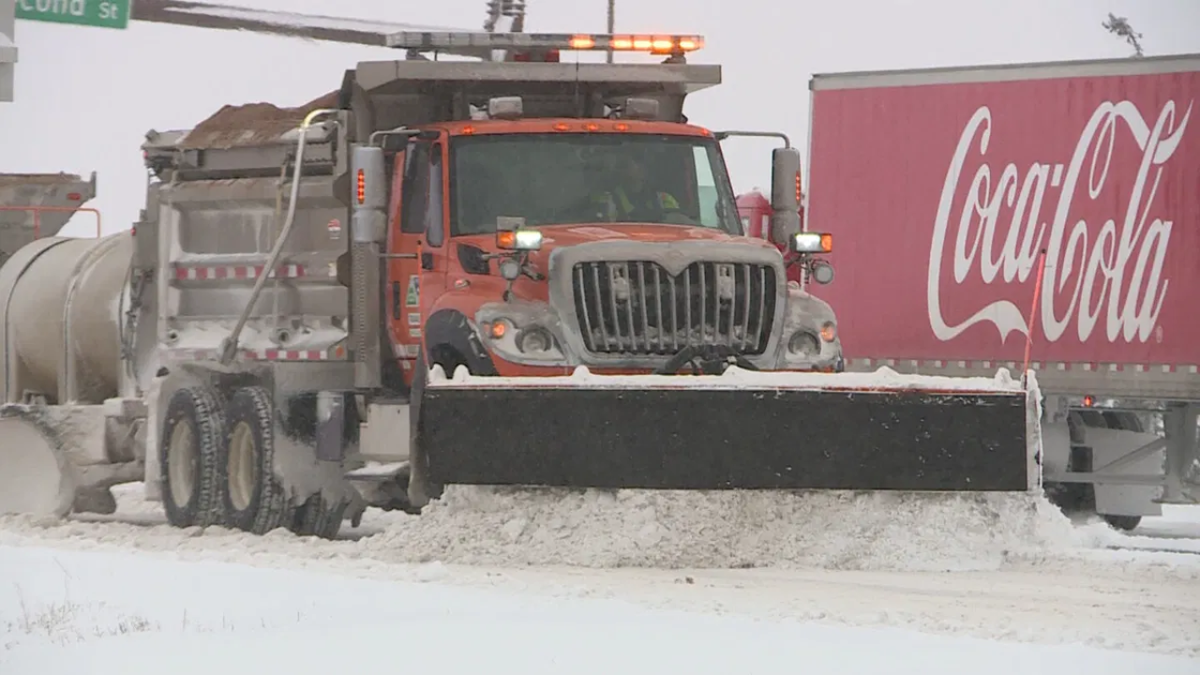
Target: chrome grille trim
(634,307)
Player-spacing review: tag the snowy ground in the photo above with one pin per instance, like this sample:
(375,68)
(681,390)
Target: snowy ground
(79,594)
(65,612)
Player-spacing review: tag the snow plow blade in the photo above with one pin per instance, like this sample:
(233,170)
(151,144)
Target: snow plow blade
(741,430)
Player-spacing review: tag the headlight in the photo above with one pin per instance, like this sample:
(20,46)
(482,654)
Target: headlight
(522,332)
(519,240)
(535,340)
(812,242)
(804,344)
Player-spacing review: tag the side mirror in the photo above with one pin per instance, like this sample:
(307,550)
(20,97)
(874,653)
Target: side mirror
(785,195)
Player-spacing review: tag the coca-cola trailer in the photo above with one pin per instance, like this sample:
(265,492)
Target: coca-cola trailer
(957,195)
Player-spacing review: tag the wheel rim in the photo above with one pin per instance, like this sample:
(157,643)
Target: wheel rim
(241,469)
(183,463)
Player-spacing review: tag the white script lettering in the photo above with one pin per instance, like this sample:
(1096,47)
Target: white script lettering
(1103,286)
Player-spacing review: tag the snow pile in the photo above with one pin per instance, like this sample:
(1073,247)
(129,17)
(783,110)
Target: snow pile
(668,529)
(662,529)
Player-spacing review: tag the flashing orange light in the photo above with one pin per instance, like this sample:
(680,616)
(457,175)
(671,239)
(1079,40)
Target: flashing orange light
(828,331)
(592,126)
(621,126)
(468,130)
(1089,401)
(497,330)
(526,44)
(362,186)
(562,126)
(827,243)
(519,240)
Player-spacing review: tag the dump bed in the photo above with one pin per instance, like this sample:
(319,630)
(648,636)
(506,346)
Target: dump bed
(941,187)
(35,205)
(221,204)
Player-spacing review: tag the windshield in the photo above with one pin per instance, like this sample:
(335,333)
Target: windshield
(559,179)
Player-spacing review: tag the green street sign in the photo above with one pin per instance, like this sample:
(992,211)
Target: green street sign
(95,13)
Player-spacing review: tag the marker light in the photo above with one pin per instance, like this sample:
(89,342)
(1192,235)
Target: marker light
(812,242)
(519,240)
(362,186)
(529,43)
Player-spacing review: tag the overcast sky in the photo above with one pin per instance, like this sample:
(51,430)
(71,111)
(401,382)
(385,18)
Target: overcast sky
(85,97)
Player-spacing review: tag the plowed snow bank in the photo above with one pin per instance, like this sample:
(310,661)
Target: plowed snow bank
(594,528)
(869,531)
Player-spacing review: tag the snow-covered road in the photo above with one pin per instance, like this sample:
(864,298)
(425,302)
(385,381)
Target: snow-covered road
(72,612)
(1082,593)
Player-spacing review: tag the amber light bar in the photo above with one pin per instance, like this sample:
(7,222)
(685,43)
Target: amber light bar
(653,44)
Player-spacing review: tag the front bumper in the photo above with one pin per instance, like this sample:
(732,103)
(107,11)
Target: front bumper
(536,334)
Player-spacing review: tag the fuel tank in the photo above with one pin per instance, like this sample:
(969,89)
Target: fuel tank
(60,307)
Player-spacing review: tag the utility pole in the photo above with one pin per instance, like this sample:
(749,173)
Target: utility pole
(612,24)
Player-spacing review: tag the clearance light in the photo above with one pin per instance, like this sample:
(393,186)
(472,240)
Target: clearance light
(530,43)
(519,240)
(812,242)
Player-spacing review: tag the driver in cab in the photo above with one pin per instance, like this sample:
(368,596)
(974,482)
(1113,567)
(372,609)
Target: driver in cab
(632,200)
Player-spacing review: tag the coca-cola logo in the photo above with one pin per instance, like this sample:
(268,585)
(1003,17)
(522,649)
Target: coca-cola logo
(1114,271)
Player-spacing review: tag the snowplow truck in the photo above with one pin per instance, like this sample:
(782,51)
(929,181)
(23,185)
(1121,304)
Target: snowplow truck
(506,271)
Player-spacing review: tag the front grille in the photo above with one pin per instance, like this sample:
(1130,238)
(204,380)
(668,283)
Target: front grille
(638,308)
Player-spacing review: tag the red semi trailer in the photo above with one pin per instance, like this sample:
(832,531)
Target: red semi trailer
(951,192)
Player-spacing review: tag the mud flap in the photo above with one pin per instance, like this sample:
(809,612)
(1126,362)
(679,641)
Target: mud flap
(730,437)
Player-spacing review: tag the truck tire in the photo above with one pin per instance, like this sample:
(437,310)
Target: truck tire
(254,499)
(193,435)
(317,517)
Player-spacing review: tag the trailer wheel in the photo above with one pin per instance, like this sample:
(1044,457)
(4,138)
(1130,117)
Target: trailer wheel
(254,498)
(189,453)
(317,517)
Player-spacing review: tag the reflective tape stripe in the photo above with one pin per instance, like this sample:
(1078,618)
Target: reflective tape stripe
(224,272)
(333,354)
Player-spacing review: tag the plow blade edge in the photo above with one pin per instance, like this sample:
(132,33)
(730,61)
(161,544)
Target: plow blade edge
(727,438)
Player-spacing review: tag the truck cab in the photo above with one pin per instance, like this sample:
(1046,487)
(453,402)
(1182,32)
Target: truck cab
(552,215)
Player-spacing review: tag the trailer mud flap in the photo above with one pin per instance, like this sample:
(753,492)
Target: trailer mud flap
(731,438)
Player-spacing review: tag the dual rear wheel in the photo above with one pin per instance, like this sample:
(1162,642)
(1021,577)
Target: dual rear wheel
(217,458)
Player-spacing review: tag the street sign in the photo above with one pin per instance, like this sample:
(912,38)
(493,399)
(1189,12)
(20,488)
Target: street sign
(94,13)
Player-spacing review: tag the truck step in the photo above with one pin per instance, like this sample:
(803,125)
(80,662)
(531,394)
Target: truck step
(376,472)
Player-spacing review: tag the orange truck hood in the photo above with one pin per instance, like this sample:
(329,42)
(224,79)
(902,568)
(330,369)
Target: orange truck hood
(559,235)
